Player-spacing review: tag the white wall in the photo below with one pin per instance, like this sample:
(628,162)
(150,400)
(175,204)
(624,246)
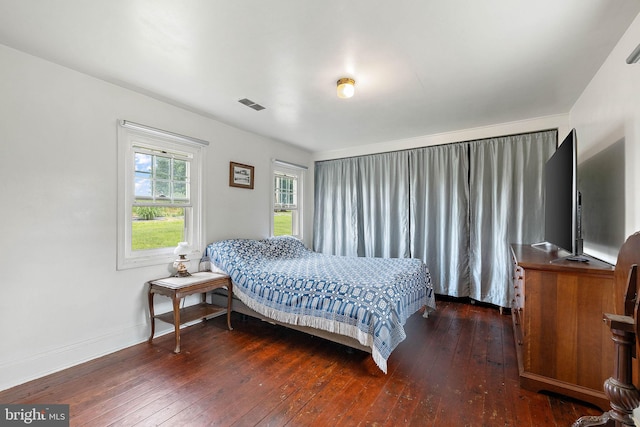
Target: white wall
(607,112)
(63,302)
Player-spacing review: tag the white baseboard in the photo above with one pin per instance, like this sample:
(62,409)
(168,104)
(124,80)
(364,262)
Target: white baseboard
(22,370)
(16,372)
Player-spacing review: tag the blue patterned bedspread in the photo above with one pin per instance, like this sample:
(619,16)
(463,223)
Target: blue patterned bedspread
(368,299)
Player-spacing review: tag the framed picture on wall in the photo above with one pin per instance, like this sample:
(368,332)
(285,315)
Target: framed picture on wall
(240,175)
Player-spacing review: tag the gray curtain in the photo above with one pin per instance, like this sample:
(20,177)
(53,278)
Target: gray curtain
(362,206)
(384,205)
(440,215)
(457,207)
(506,206)
(335,226)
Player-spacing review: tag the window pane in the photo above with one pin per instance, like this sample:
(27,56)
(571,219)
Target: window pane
(179,170)
(163,168)
(161,179)
(285,199)
(142,187)
(282,223)
(163,189)
(180,190)
(143,163)
(285,194)
(154,228)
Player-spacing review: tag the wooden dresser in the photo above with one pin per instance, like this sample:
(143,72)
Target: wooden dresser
(562,343)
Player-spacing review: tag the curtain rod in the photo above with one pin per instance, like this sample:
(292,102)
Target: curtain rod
(155,131)
(467,141)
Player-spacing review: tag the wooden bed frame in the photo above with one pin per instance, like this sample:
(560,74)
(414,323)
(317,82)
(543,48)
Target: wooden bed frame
(219,297)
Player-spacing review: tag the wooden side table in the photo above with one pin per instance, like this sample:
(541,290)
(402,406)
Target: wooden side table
(177,288)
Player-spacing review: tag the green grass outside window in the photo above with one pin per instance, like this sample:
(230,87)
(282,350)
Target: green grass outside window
(157,233)
(167,232)
(282,223)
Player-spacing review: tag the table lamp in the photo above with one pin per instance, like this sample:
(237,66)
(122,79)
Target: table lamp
(182,263)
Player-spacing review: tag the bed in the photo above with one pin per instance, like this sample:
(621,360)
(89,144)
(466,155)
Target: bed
(357,301)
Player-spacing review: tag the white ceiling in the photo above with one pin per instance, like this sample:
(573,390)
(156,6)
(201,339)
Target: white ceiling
(421,66)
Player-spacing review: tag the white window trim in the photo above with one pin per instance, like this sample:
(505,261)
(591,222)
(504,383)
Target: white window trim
(298,171)
(127,137)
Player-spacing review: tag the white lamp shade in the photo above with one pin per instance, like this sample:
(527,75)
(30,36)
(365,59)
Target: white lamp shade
(182,249)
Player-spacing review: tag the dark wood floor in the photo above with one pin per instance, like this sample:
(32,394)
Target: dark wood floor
(457,368)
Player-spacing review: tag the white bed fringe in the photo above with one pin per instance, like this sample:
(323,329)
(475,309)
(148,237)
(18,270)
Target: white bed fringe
(315,322)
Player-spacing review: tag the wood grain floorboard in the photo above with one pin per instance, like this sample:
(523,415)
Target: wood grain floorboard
(456,368)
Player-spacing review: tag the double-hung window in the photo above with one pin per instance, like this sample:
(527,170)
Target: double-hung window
(287,200)
(160,195)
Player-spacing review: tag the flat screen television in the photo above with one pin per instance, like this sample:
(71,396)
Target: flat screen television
(563,210)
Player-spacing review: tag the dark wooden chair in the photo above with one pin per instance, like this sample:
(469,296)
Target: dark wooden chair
(621,389)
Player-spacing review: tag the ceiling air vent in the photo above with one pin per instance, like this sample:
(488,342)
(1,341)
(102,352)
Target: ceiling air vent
(249,103)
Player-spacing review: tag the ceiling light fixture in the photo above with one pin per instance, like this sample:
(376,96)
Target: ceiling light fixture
(346,87)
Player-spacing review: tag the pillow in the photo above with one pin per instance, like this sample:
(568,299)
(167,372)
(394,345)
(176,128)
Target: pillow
(285,247)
